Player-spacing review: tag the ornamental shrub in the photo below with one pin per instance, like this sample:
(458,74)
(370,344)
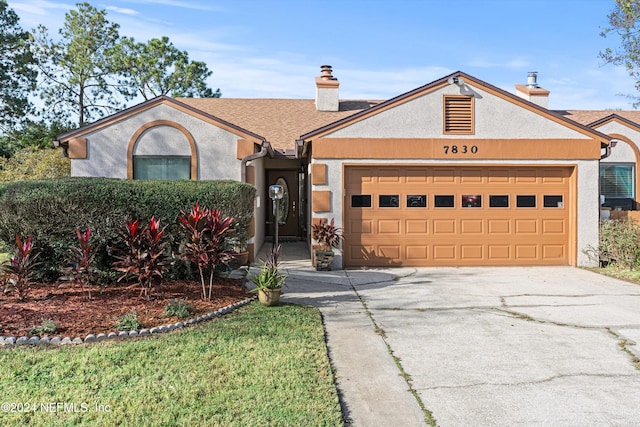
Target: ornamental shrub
(34,163)
(52,210)
(619,244)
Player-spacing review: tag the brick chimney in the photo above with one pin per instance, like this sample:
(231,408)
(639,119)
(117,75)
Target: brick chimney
(327,90)
(532,92)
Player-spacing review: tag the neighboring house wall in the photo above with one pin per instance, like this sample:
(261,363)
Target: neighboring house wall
(107,147)
(627,147)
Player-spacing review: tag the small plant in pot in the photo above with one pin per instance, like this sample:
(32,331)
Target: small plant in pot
(328,237)
(238,252)
(269,280)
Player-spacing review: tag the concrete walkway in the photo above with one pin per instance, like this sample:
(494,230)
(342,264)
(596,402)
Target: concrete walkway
(477,346)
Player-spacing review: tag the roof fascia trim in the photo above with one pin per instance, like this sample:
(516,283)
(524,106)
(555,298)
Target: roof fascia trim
(160,100)
(430,87)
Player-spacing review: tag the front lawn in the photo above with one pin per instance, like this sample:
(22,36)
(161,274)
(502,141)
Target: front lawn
(632,276)
(259,366)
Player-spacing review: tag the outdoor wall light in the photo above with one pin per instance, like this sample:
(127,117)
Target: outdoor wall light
(455,81)
(276,192)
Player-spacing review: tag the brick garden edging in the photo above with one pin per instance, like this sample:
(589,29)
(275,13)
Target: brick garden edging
(91,338)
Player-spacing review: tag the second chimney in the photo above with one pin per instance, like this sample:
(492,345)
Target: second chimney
(532,92)
(327,90)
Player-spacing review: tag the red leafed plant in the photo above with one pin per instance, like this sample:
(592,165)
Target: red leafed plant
(19,270)
(145,258)
(327,234)
(205,231)
(81,259)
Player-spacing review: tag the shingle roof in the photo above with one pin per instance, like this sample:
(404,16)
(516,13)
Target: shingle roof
(587,117)
(279,121)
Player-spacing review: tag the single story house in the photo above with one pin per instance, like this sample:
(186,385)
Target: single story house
(455,172)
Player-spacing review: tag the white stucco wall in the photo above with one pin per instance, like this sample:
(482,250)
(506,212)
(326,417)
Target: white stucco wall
(588,210)
(164,140)
(622,152)
(107,147)
(422,117)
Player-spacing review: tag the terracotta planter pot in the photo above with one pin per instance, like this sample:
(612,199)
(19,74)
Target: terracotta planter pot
(240,259)
(269,297)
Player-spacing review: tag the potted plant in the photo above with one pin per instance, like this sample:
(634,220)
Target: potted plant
(239,253)
(269,280)
(328,237)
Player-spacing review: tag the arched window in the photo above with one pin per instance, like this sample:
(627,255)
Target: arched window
(162,150)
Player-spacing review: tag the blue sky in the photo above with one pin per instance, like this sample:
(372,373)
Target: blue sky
(378,48)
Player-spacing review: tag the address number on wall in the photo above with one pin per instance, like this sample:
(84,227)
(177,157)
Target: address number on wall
(460,149)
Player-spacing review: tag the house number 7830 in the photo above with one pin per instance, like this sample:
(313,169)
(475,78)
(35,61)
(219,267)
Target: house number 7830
(460,149)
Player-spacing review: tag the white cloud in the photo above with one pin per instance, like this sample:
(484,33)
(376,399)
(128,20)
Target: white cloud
(122,10)
(35,12)
(178,3)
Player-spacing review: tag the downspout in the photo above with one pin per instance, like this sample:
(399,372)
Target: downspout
(264,150)
(607,150)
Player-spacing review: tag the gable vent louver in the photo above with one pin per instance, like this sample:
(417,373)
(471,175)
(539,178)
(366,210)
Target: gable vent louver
(458,114)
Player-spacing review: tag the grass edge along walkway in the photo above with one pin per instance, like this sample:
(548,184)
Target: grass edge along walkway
(259,366)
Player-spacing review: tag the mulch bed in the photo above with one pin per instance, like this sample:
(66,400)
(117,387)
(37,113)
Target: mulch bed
(77,316)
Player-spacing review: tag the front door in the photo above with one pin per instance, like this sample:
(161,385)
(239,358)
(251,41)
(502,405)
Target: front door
(288,214)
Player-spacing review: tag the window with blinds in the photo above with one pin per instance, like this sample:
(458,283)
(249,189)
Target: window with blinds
(458,114)
(163,168)
(617,180)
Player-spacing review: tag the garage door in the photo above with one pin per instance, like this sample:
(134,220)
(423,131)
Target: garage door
(424,216)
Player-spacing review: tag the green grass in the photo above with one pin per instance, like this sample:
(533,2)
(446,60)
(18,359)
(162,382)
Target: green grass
(260,366)
(632,276)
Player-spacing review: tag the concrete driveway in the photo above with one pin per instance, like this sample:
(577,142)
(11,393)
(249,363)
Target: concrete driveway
(479,346)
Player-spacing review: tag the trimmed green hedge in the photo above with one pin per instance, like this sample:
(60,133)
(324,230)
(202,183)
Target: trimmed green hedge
(51,210)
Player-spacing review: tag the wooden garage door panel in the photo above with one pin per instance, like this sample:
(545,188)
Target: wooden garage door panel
(527,252)
(499,252)
(391,252)
(553,176)
(360,226)
(361,175)
(444,175)
(419,175)
(526,176)
(526,226)
(444,226)
(553,226)
(417,226)
(474,175)
(471,226)
(499,226)
(472,252)
(417,252)
(498,175)
(444,252)
(416,235)
(389,226)
(550,252)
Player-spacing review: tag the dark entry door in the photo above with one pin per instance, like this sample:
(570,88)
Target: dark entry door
(288,214)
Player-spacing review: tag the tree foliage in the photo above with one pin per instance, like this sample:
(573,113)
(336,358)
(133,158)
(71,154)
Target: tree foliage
(159,68)
(33,163)
(17,73)
(32,134)
(623,22)
(80,77)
